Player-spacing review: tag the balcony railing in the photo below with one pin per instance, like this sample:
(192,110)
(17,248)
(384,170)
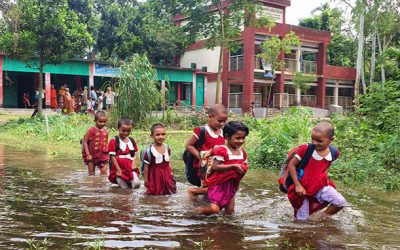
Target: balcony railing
(306,100)
(345,101)
(236,63)
(307,67)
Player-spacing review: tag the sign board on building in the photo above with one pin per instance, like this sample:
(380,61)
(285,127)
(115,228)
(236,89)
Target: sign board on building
(275,13)
(106,70)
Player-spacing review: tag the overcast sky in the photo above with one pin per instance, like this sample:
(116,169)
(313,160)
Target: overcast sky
(300,9)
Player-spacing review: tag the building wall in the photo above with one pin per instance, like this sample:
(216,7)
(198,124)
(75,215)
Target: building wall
(211,91)
(202,57)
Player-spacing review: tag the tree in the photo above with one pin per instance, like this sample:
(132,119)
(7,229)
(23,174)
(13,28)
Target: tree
(44,30)
(137,90)
(220,22)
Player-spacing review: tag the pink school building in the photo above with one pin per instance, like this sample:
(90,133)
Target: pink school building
(243,80)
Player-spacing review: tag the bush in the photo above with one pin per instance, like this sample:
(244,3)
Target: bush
(278,135)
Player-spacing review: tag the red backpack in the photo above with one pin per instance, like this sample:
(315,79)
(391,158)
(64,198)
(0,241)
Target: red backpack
(284,178)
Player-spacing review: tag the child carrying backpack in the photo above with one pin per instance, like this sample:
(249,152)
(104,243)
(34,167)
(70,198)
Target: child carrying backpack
(157,171)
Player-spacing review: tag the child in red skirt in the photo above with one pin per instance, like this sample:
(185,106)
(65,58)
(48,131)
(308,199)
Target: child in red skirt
(217,116)
(229,167)
(313,190)
(158,177)
(94,145)
(122,150)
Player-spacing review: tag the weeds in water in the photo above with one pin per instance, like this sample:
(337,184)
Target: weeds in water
(97,245)
(41,245)
(204,244)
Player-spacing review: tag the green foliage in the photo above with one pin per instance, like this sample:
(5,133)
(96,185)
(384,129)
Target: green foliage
(137,91)
(301,81)
(272,48)
(278,135)
(370,137)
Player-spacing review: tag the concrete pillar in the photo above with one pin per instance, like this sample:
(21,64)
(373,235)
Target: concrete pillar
(279,87)
(321,63)
(91,74)
(205,90)
(248,68)
(298,96)
(298,59)
(1,81)
(178,88)
(194,88)
(47,87)
(336,93)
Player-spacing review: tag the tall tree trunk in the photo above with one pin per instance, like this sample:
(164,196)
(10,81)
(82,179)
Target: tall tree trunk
(382,59)
(218,94)
(373,59)
(40,89)
(359,55)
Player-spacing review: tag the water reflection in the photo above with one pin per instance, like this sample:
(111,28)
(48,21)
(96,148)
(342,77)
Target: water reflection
(43,197)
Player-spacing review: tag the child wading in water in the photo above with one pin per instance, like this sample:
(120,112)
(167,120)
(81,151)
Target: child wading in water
(94,145)
(213,136)
(314,190)
(228,168)
(158,177)
(122,150)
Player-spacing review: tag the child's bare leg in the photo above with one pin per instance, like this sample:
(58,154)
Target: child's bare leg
(230,207)
(103,169)
(212,209)
(193,192)
(91,168)
(331,210)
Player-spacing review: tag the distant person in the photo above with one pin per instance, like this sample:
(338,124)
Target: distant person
(312,189)
(68,102)
(53,97)
(85,92)
(93,95)
(227,170)
(252,110)
(61,98)
(25,100)
(110,98)
(90,106)
(94,145)
(203,139)
(100,101)
(122,150)
(158,177)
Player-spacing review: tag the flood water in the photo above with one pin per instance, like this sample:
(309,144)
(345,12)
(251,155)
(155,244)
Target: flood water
(46,198)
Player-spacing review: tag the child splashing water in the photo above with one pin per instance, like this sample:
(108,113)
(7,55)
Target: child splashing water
(228,168)
(94,145)
(122,150)
(313,190)
(211,137)
(158,177)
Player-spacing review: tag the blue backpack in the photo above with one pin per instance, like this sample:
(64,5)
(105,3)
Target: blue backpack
(284,178)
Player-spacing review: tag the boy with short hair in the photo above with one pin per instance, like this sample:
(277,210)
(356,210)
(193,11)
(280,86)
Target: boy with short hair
(312,190)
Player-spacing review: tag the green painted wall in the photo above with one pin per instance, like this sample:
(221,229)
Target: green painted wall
(175,75)
(70,68)
(10,93)
(172,92)
(200,90)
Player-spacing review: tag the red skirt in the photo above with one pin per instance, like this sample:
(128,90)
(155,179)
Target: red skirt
(161,181)
(126,169)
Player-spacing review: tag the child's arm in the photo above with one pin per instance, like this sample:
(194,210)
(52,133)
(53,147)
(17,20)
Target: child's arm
(220,167)
(146,174)
(86,146)
(115,164)
(293,173)
(190,146)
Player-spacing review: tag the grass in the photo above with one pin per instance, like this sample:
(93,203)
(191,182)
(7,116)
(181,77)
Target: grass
(6,116)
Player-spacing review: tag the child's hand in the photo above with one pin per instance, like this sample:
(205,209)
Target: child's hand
(239,169)
(300,190)
(119,172)
(89,158)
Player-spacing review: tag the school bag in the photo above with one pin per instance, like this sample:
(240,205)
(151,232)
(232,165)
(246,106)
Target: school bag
(284,178)
(149,155)
(117,142)
(191,173)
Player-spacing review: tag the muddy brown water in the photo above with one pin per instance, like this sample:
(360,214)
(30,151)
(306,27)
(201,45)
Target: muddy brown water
(46,198)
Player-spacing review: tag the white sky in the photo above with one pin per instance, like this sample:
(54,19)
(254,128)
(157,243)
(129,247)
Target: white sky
(300,9)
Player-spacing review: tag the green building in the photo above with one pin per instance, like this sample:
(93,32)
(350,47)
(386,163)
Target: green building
(184,85)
